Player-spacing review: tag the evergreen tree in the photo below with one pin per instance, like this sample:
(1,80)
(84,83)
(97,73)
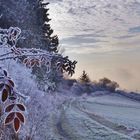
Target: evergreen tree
(32,17)
(84,77)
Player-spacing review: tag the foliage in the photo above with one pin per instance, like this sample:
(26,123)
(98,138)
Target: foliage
(108,84)
(84,77)
(86,86)
(33,57)
(12,108)
(30,58)
(33,18)
(35,48)
(82,88)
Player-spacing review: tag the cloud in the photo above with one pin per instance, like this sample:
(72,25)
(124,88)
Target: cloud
(100,22)
(103,35)
(135,29)
(81,40)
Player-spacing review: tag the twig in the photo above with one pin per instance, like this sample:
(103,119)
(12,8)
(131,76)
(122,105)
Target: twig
(6,54)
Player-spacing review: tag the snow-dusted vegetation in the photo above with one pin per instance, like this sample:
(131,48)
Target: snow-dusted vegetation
(20,62)
(38,102)
(24,66)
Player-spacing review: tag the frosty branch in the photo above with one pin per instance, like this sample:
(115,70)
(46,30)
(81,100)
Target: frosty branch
(32,57)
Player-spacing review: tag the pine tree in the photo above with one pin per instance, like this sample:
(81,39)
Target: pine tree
(32,17)
(84,77)
(51,40)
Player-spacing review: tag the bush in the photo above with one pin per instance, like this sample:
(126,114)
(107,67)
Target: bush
(81,88)
(106,83)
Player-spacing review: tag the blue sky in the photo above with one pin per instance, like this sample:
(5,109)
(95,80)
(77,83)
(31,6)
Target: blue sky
(103,35)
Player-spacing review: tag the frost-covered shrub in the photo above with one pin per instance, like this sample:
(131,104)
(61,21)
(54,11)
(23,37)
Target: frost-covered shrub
(67,83)
(33,18)
(70,82)
(77,89)
(82,85)
(40,105)
(104,84)
(47,66)
(23,58)
(82,88)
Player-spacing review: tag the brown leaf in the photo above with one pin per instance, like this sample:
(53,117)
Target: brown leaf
(9,108)
(21,107)
(9,118)
(8,88)
(20,117)
(16,124)
(11,82)
(4,95)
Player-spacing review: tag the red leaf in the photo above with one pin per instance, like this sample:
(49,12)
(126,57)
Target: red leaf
(16,124)
(32,60)
(4,95)
(9,118)
(20,117)
(9,108)
(8,88)
(21,107)
(33,64)
(11,82)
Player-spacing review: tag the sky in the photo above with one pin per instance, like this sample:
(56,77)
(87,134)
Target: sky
(102,35)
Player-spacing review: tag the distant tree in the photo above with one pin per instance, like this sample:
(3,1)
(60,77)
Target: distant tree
(84,77)
(104,81)
(108,84)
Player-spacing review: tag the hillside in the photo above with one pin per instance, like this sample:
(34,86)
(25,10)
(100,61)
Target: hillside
(39,100)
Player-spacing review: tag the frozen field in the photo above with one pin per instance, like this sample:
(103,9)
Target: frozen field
(105,117)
